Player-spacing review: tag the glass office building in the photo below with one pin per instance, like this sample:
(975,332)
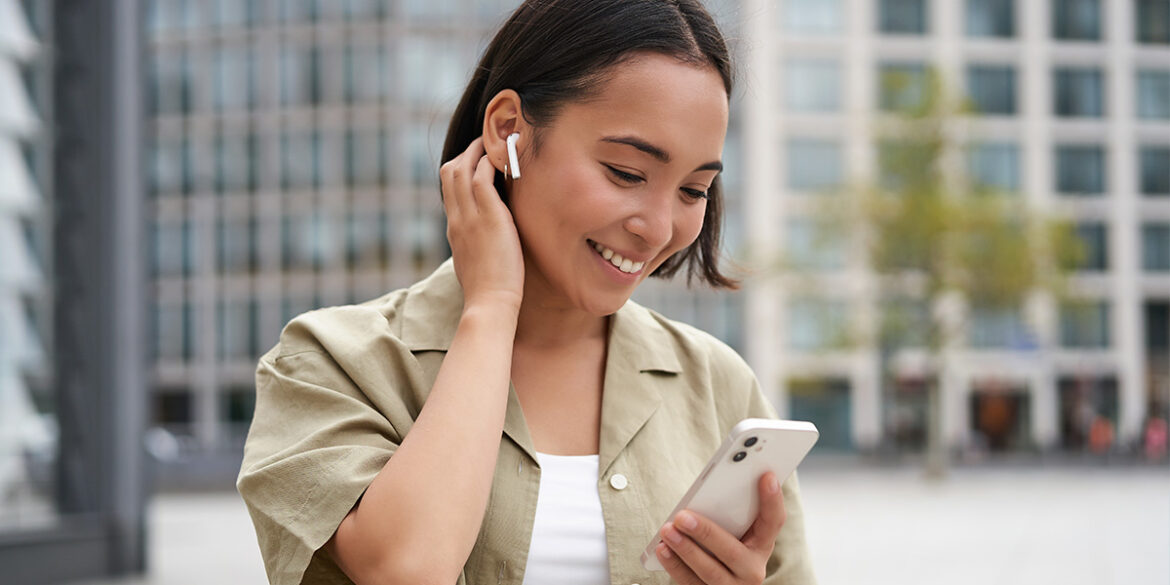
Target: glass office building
(28,432)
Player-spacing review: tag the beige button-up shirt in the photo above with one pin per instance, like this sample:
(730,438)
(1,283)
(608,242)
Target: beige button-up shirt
(342,388)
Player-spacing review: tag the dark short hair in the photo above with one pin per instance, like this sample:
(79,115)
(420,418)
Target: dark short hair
(555,52)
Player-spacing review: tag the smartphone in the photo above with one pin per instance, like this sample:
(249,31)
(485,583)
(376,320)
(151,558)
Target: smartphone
(727,490)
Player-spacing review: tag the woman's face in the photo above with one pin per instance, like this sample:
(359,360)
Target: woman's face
(622,174)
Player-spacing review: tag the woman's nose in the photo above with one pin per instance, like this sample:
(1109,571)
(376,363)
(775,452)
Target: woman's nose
(652,222)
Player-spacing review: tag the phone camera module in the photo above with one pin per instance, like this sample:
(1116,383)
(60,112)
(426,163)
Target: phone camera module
(751,441)
(739,456)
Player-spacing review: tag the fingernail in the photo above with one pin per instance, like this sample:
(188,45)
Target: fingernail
(686,520)
(664,551)
(673,535)
(773,485)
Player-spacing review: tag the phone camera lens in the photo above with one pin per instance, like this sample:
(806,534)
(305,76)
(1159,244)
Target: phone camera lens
(751,441)
(739,456)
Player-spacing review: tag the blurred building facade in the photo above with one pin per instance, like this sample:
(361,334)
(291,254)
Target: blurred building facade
(293,164)
(1074,115)
(27,427)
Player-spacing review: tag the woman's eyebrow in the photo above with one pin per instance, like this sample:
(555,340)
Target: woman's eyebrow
(659,154)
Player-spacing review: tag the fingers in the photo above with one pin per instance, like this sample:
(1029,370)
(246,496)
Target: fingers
(711,552)
(678,570)
(761,537)
(456,176)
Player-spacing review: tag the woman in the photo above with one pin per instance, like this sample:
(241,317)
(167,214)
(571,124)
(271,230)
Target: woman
(514,418)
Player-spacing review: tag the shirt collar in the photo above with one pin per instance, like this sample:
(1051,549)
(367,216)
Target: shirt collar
(431,312)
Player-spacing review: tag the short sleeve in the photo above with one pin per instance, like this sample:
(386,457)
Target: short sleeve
(318,438)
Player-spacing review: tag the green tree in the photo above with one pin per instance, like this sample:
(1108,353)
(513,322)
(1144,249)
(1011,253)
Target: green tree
(939,243)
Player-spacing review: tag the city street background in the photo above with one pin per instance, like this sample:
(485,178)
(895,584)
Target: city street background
(1068,525)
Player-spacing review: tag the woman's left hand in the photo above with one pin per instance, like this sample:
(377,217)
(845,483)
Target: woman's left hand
(731,561)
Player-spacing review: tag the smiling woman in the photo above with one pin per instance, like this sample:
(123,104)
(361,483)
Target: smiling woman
(514,417)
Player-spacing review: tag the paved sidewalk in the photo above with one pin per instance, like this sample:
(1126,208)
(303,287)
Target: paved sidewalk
(866,526)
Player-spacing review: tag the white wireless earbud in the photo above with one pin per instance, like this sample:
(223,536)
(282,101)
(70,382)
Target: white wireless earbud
(513,159)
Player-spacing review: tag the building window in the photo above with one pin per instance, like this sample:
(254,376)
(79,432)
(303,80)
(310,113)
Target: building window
(301,160)
(995,166)
(366,239)
(812,16)
(1153,95)
(172,166)
(1155,170)
(999,327)
(309,242)
(907,17)
(1080,170)
(236,163)
(294,11)
(814,165)
(171,84)
(434,70)
(991,18)
(901,162)
(1156,247)
(1152,21)
(812,85)
(236,13)
(365,10)
(301,82)
(902,86)
(173,332)
(366,73)
(235,78)
(812,246)
(238,403)
(423,142)
(238,330)
(992,89)
(1084,325)
(364,157)
(1093,238)
(1079,92)
(174,408)
(816,324)
(174,248)
(237,244)
(1076,20)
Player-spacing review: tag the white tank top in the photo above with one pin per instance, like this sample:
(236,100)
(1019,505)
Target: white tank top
(568,535)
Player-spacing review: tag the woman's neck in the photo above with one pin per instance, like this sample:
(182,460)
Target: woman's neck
(548,320)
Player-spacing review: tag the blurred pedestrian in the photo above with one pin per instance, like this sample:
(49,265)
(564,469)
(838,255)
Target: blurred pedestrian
(411,439)
(1101,436)
(1155,438)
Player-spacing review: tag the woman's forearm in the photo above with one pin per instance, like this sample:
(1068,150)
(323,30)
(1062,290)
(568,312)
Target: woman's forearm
(419,519)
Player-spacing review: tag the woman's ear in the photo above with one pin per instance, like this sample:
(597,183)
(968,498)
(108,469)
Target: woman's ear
(503,117)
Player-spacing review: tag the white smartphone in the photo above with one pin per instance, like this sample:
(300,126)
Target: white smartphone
(727,490)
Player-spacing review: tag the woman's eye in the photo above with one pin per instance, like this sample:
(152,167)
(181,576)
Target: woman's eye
(624,176)
(694,193)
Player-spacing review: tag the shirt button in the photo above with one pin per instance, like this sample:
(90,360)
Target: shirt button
(618,481)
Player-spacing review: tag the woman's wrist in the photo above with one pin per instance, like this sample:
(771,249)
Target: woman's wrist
(499,311)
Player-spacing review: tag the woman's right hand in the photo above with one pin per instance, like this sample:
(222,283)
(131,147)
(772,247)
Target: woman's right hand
(481,231)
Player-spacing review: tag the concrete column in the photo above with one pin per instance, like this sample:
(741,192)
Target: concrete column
(858,67)
(764,298)
(1034,90)
(1124,230)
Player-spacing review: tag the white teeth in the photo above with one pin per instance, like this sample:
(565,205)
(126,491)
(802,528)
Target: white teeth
(624,264)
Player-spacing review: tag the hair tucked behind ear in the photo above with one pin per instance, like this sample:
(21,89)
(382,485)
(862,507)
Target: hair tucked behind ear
(555,52)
